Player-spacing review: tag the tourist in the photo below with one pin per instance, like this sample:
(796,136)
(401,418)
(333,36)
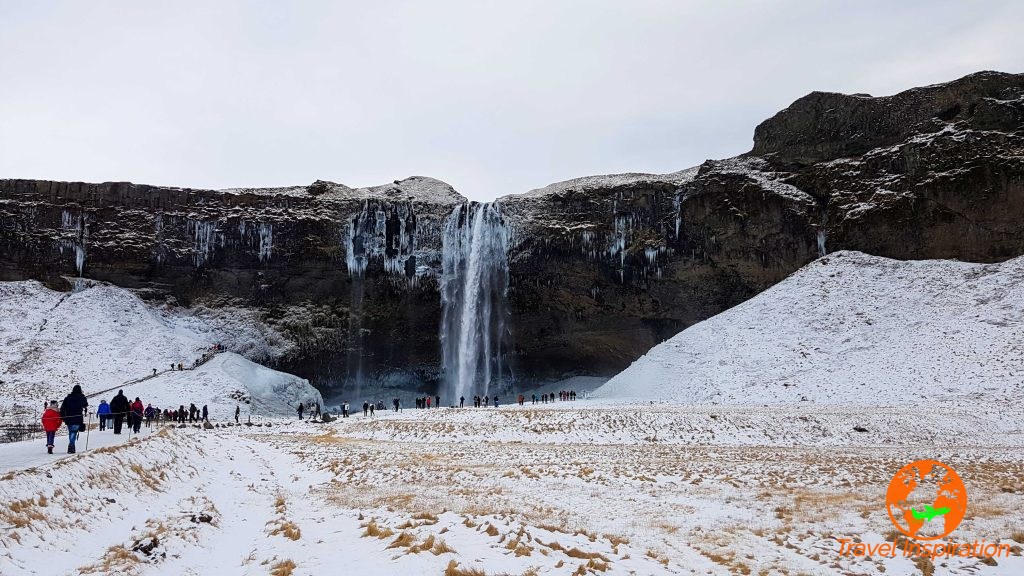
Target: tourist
(371,409)
(71,411)
(437,401)
(495,401)
(462,401)
(137,410)
(301,408)
(206,414)
(238,410)
(119,408)
(102,414)
(366,408)
(149,413)
(51,423)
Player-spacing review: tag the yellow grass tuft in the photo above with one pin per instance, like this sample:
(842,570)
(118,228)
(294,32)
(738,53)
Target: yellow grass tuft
(282,568)
(454,570)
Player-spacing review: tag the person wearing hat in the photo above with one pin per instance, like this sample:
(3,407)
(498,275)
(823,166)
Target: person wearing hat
(51,423)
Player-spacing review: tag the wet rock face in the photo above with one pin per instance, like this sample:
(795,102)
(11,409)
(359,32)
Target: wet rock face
(599,269)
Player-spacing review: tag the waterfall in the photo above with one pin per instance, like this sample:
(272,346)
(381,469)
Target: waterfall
(474,284)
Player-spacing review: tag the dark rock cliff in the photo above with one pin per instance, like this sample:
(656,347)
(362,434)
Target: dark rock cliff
(600,268)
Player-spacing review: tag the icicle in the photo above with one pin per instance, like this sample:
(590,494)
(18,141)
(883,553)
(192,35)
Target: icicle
(204,234)
(266,234)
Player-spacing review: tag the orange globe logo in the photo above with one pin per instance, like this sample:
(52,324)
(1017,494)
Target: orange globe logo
(926,500)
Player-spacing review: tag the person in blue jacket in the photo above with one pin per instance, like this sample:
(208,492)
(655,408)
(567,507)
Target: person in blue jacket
(103,413)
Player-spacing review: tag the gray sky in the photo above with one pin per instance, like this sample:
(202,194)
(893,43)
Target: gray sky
(492,97)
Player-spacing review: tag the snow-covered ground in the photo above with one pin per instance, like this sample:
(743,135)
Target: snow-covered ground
(426,491)
(101,337)
(851,328)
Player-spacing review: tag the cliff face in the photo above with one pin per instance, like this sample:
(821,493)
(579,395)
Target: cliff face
(599,269)
(349,275)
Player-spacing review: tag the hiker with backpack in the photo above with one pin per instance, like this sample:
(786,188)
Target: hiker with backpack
(51,423)
(71,411)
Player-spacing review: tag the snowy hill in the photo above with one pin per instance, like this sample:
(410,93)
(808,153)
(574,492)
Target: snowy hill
(850,328)
(102,336)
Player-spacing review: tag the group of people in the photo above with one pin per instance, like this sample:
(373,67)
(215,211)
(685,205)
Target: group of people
(121,411)
(69,413)
(116,414)
(424,401)
(478,402)
(563,396)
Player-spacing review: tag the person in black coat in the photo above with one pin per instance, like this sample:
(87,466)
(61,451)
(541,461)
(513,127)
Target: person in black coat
(71,410)
(119,408)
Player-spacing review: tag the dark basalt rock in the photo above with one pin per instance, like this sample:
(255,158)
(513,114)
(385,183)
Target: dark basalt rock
(600,268)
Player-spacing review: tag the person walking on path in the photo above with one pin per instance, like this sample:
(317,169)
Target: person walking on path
(371,409)
(103,414)
(71,411)
(301,408)
(137,410)
(238,410)
(119,408)
(149,413)
(206,413)
(366,409)
(51,423)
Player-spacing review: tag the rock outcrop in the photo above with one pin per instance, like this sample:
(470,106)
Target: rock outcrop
(600,269)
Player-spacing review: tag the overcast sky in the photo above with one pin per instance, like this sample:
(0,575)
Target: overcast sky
(492,97)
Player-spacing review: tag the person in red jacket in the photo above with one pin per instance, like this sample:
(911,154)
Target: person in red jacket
(51,423)
(137,411)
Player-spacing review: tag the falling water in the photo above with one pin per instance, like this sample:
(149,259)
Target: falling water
(822,236)
(474,284)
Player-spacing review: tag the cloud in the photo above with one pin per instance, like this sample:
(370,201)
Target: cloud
(493,97)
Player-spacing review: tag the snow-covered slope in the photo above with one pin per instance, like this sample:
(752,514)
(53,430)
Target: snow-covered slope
(103,336)
(226,381)
(850,328)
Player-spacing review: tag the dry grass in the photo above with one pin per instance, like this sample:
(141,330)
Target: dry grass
(21,513)
(454,570)
(374,530)
(282,568)
(150,479)
(117,559)
(285,528)
(404,540)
